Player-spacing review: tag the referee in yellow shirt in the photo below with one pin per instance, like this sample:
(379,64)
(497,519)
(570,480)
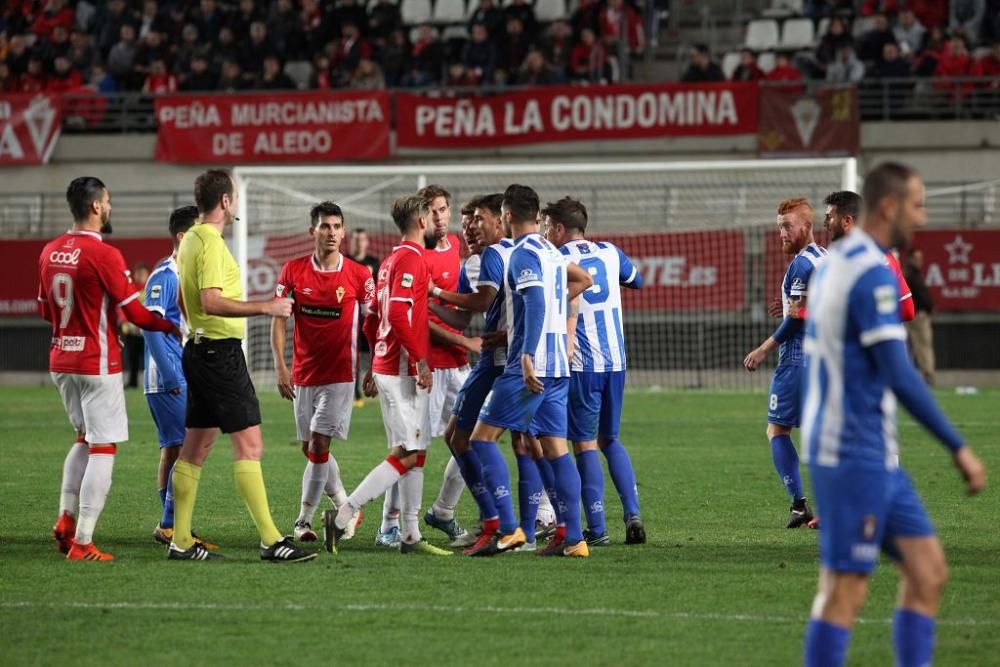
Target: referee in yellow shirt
(221,395)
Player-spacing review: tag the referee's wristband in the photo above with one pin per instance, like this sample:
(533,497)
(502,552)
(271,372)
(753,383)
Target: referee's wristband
(436,291)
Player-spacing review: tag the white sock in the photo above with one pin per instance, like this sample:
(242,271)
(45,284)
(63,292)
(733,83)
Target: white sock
(411,491)
(546,513)
(314,479)
(451,491)
(334,485)
(73,469)
(390,510)
(93,492)
(378,481)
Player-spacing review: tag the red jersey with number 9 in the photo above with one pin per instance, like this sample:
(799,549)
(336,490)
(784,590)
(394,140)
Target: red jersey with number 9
(82,281)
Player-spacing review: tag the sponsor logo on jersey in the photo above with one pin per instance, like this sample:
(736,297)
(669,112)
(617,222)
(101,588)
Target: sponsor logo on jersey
(885,299)
(320,311)
(306,290)
(340,293)
(70,343)
(66,258)
(527,276)
(407,280)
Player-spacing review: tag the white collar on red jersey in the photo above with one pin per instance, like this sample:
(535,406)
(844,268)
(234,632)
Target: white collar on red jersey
(447,244)
(317,267)
(86,232)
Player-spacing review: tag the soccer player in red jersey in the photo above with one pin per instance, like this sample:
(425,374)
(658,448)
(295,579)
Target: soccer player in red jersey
(81,283)
(397,329)
(330,292)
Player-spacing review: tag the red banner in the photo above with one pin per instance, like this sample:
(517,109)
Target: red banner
(961,268)
(29,128)
(273,128)
(572,113)
(797,122)
(18,296)
(685,270)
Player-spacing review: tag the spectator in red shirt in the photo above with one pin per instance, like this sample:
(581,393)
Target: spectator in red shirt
(56,13)
(785,71)
(159,81)
(64,78)
(33,80)
(589,60)
(955,61)
(989,65)
(887,7)
(611,19)
(747,70)
(929,12)
(351,49)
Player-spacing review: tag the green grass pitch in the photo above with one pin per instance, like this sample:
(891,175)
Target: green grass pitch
(720,582)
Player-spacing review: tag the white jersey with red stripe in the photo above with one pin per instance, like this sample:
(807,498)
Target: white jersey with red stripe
(82,280)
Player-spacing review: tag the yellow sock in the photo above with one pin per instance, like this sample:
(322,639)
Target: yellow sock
(186,476)
(250,482)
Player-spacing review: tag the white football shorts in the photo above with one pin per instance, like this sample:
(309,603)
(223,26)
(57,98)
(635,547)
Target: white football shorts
(95,405)
(404,411)
(444,393)
(324,409)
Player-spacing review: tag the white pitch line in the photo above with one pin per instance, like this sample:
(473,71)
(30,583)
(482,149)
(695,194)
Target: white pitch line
(370,607)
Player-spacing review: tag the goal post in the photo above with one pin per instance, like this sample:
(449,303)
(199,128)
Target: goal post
(701,233)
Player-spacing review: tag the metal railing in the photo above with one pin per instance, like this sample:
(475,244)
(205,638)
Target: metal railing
(879,99)
(44,214)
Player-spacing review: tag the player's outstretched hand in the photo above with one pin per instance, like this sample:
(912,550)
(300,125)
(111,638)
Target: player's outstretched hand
(494,339)
(774,309)
(368,385)
(425,378)
(285,386)
(474,344)
(531,380)
(972,470)
(278,307)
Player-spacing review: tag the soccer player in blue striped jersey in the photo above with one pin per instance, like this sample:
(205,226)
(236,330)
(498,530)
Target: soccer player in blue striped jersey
(597,382)
(482,288)
(531,394)
(857,368)
(165,386)
(795,228)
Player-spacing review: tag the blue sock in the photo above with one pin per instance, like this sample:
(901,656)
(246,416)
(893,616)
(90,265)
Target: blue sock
(826,644)
(529,493)
(163,496)
(913,638)
(568,489)
(549,483)
(498,480)
(786,463)
(472,473)
(623,475)
(167,520)
(588,463)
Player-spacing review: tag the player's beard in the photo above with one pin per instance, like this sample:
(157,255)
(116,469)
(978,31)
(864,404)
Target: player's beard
(430,240)
(106,223)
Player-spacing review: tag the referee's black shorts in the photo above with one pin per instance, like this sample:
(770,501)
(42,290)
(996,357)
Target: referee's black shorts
(220,393)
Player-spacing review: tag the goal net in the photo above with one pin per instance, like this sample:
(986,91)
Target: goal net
(701,233)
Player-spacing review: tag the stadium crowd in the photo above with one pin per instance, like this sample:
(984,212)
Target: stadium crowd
(164,46)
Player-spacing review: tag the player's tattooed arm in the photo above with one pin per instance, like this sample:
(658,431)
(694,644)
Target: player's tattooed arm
(571,318)
(579,280)
(441,335)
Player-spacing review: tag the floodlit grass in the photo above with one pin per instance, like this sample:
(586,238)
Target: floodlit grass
(720,582)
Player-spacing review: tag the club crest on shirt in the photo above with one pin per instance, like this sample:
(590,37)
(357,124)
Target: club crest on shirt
(279,290)
(340,293)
